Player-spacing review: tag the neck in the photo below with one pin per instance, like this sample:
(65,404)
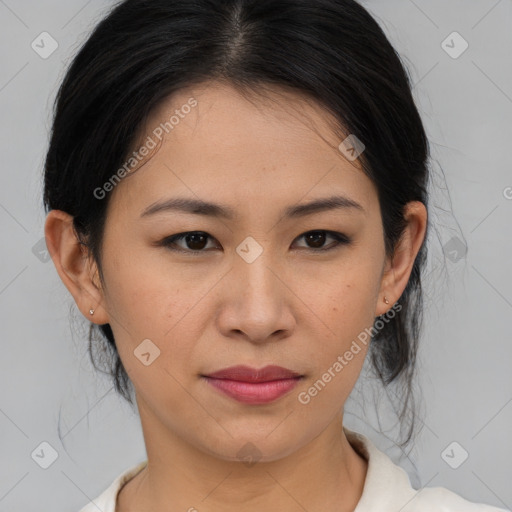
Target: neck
(326,474)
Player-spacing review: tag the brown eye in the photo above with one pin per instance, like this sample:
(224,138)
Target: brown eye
(195,241)
(316,240)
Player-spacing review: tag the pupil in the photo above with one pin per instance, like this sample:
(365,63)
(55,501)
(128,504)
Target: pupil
(194,239)
(315,238)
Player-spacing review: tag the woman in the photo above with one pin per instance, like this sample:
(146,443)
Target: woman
(237,197)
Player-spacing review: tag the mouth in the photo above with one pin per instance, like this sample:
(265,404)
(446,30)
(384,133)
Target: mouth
(254,386)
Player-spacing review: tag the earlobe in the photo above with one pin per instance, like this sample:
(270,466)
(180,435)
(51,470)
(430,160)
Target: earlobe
(74,264)
(398,269)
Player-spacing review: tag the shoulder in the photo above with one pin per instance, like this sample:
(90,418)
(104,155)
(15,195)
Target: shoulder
(387,486)
(442,499)
(106,501)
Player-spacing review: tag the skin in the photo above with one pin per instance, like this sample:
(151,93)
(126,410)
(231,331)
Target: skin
(291,306)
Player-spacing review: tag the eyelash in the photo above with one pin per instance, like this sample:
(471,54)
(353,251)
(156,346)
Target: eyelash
(169,241)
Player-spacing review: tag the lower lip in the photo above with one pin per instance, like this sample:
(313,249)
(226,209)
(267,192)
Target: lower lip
(254,392)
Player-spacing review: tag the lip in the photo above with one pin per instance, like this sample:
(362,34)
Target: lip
(244,373)
(254,386)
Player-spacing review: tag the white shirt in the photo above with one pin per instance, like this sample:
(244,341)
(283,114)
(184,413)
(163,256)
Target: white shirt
(387,487)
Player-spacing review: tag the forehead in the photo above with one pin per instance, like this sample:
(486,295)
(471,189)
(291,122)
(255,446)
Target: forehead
(213,141)
(225,117)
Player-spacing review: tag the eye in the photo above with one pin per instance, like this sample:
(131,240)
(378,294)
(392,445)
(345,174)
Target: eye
(318,237)
(196,241)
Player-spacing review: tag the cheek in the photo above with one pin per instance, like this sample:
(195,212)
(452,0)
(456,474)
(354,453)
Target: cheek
(138,292)
(155,319)
(350,295)
(347,308)
(144,305)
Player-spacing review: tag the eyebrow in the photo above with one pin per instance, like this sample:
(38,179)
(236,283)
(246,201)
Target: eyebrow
(200,207)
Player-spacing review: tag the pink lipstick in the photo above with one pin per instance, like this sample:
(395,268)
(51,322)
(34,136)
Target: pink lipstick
(253,386)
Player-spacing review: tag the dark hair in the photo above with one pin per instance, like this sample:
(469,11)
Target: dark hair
(331,51)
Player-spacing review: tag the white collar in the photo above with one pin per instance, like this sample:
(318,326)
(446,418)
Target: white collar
(387,487)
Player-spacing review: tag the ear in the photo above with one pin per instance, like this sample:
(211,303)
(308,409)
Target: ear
(75,265)
(398,268)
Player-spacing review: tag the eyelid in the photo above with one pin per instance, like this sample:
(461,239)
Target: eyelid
(340,238)
(169,241)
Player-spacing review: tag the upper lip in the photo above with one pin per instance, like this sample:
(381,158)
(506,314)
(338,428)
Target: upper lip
(247,374)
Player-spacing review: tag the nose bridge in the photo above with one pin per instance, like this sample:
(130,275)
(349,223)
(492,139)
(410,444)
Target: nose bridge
(253,270)
(256,295)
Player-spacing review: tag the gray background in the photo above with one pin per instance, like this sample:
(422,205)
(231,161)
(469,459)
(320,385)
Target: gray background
(47,381)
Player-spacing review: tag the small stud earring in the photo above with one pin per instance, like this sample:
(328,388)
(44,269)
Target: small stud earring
(91,311)
(386,300)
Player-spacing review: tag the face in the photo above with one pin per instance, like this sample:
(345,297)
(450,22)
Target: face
(267,282)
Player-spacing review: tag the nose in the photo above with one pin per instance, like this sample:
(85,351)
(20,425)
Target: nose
(257,303)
